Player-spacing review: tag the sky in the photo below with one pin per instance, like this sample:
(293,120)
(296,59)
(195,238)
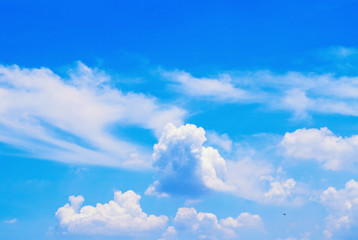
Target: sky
(176,120)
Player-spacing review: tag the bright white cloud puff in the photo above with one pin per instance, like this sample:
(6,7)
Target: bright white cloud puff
(321,145)
(121,216)
(184,165)
(193,225)
(68,119)
(342,206)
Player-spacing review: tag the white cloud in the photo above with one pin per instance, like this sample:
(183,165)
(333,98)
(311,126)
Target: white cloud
(280,190)
(184,165)
(68,120)
(321,145)
(121,216)
(304,236)
(342,206)
(301,93)
(222,141)
(257,181)
(194,225)
(339,52)
(220,89)
(10,221)
(170,234)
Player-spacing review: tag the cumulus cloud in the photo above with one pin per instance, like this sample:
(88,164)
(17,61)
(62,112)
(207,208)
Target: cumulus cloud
(68,119)
(121,216)
(300,93)
(321,145)
(186,167)
(342,206)
(193,225)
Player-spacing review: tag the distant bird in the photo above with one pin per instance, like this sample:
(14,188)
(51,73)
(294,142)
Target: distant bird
(284,214)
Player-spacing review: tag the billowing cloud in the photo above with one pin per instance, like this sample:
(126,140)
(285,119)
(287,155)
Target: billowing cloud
(342,206)
(69,119)
(121,216)
(186,167)
(193,225)
(321,145)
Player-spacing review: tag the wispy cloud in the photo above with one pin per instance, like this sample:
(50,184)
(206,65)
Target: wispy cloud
(339,52)
(10,221)
(219,89)
(68,119)
(300,93)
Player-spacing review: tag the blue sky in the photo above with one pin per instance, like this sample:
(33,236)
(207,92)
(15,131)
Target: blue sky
(178,120)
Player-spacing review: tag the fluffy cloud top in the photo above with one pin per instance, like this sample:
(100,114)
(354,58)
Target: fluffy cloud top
(334,153)
(206,225)
(121,216)
(184,165)
(342,206)
(69,119)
